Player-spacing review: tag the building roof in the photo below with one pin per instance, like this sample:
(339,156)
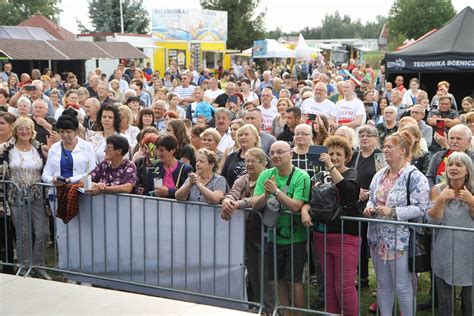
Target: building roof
(120,49)
(24,32)
(39,20)
(67,50)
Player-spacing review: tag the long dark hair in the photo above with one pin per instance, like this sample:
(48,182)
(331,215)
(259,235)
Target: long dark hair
(143,112)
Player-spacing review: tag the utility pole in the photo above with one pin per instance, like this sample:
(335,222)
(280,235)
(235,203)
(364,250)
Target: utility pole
(121,16)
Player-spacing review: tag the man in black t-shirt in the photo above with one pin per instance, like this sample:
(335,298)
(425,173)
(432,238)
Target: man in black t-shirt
(43,125)
(293,116)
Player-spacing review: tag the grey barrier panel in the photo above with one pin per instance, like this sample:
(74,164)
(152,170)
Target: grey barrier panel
(187,246)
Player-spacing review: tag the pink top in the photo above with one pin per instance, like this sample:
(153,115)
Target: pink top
(168,180)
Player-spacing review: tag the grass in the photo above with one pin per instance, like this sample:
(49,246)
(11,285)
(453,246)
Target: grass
(366,294)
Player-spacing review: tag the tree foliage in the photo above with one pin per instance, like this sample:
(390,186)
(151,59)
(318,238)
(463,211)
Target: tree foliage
(337,26)
(13,12)
(105,17)
(413,18)
(243,24)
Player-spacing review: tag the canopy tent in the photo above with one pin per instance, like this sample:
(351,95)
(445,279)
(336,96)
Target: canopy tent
(449,49)
(302,50)
(446,54)
(270,48)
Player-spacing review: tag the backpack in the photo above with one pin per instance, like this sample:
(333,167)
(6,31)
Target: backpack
(325,203)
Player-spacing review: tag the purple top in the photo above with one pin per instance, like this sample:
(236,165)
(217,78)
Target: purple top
(124,173)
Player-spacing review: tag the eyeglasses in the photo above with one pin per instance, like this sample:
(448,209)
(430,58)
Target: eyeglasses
(278,152)
(302,134)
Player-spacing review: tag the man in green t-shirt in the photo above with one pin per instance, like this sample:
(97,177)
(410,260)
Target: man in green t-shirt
(291,187)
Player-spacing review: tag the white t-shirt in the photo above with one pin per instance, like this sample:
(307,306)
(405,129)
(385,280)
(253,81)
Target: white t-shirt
(267,117)
(326,108)
(347,111)
(185,92)
(226,141)
(213,94)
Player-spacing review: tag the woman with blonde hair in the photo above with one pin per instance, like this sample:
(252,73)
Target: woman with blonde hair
(23,159)
(205,185)
(115,87)
(234,165)
(279,121)
(126,128)
(210,140)
(349,134)
(420,157)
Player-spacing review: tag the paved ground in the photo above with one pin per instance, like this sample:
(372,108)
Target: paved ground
(21,296)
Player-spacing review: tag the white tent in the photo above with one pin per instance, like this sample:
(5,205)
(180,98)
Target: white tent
(270,48)
(302,50)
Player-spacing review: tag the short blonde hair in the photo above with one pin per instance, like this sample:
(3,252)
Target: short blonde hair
(249,128)
(212,132)
(24,121)
(128,113)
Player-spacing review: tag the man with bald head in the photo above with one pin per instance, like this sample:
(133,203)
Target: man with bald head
(92,85)
(284,188)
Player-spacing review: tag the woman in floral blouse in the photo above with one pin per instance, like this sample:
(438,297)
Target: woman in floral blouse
(389,243)
(115,174)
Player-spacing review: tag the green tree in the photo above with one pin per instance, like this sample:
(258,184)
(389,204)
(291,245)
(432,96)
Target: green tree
(413,18)
(105,17)
(243,25)
(13,12)
(337,26)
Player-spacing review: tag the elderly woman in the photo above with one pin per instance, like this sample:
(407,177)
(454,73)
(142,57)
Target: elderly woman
(367,161)
(334,241)
(126,127)
(115,174)
(204,185)
(210,140)
(389,124)
(55,98)
(234,165)
(279,121)
(23,107)
(167,174)
(108,118)
(23,161)
(389,243)
(239,198)
(452,255)
(349,134)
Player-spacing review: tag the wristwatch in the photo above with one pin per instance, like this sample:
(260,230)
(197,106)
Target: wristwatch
(276,192)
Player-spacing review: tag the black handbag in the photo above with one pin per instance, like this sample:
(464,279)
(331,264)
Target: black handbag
(419,244)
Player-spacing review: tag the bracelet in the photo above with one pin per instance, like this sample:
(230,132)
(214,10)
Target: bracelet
(332,168)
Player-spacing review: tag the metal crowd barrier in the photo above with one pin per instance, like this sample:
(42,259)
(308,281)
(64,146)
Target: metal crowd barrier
(310,293)
(181,250)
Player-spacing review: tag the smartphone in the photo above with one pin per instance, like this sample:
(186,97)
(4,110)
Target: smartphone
(62,179)
(314,152)
(311,119)
(440,127)
(30,88)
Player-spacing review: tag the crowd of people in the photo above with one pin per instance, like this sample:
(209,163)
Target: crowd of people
(242,139)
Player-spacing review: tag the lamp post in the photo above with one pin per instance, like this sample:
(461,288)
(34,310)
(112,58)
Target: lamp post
(121,16)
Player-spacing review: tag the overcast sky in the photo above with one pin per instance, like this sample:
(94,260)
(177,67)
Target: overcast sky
(294,17)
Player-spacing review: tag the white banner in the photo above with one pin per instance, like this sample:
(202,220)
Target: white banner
(156,242)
